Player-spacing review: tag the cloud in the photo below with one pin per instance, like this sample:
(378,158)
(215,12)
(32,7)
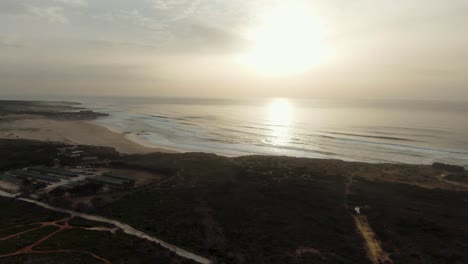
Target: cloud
(9,42)
(184,25)
(188,36)
(11,7)
(51,13)
(165,4)
(21,9)
(121,44)
(77,3)
(228,13)
(134,16)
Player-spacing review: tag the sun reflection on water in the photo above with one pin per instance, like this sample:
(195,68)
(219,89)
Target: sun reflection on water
(280,117)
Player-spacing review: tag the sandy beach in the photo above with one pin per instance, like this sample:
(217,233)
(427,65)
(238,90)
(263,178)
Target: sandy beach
(70,132)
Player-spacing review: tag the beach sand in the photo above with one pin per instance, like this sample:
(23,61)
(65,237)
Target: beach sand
(70,132)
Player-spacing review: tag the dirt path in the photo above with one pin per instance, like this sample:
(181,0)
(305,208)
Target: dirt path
(124,227)
(374,248)
(20,233)
(62,224)
(442,176)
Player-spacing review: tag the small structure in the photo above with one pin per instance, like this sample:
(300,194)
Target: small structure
(357,209)
(90,159)
(70,151)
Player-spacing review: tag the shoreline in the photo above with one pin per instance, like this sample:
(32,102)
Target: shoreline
(72,131)
(93,133)
(79,132)
(135,139)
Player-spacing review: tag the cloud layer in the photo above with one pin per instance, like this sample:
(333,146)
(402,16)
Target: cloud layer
(380,48)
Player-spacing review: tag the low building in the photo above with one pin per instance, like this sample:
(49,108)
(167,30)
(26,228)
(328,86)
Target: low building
(50,171)
(71,185)
(108,181)
(128,179)
(39,177)
(15,173)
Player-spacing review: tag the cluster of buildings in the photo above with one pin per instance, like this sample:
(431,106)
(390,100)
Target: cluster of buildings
(39,174)
(45,178)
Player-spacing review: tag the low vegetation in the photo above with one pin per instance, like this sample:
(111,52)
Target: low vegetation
(73,245)
(256,209)
(235,213)
(416,225)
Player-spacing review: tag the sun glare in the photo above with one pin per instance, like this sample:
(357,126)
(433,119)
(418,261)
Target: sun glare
(287,41)
(280,113)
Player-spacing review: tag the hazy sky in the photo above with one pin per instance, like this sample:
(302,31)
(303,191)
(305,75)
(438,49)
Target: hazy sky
(318,49)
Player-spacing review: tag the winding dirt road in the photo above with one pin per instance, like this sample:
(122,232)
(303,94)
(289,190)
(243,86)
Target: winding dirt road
(62,225)
(124,227)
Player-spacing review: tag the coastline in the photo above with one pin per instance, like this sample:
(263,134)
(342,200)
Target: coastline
(71,132)
(135,139)
(86,125)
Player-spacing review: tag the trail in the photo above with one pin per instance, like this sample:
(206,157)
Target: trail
(20,233)
(374,248)
(124,227)
(62,224)
(11,227)
(442,176)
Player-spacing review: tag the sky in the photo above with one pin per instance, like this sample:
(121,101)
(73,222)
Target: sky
(341,49)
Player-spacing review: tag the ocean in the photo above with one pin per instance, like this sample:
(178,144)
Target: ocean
(417,132)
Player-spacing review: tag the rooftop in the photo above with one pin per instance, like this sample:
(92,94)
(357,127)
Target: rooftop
(107,180)
(71,185)
(60,172)
(117,176)
(37,176)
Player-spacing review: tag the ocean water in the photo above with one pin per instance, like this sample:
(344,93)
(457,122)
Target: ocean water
(418,132)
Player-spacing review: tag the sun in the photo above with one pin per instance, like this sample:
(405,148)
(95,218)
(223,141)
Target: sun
(280,112)
(287,41)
